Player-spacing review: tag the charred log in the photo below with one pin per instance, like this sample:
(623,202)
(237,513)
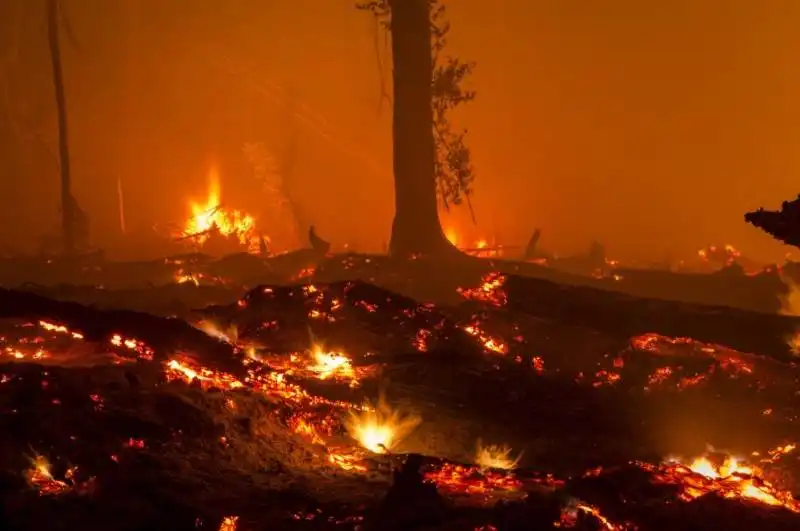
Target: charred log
(627,316)
(165,336)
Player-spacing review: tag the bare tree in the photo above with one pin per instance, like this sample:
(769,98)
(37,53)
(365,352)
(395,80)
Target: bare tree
(67,201)
(429,161)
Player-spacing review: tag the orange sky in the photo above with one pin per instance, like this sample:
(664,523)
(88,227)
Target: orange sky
(651,126)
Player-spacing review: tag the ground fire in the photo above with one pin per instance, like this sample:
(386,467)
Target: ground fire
(318,403)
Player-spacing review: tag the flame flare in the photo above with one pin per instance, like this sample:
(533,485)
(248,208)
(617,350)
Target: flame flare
(495,457)
(381,428)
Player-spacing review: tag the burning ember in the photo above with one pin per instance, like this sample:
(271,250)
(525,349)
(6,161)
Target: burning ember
(40,478)
(726,476)
(331,364)
(489,291)
(229,523)
(380,429)
(460,479)
(572,512)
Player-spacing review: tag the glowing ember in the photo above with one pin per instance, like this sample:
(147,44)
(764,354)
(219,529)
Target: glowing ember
(61,329)
(570,517)
(329,364)
(459,479)
(380,429)
(490,343)
(490,290)
(497,457)
(731,478)
(134,345)
(346,460)
(229,523)
(206,377)
(40,478)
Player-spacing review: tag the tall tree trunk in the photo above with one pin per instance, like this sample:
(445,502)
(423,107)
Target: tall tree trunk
(416,229)
(131,10)
(287,166)
(67,205)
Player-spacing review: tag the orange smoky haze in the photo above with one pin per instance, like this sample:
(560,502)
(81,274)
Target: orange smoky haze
(649,126)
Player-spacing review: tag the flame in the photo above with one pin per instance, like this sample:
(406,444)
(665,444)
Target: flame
(497,457)
(229,334)
(229,523)
(329,364)
(452,236)
(478,247)
(491,344)
(380,429)
(40,477)
(211,215)
(732,478)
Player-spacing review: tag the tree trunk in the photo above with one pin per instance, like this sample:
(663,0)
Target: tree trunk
(67,206)
(288,167)
(416,229)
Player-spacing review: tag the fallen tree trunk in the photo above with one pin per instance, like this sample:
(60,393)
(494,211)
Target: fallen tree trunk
(165,336)
(628,316)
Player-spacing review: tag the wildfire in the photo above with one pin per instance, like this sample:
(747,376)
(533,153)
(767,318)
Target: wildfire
(209,216)
(730,478)
(381,428)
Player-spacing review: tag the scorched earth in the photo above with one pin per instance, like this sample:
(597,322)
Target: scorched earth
(344,406)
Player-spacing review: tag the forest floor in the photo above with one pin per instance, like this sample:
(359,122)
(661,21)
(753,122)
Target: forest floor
(342,405)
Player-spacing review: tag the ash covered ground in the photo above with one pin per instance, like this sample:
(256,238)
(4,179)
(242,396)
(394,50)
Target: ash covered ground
(342,405)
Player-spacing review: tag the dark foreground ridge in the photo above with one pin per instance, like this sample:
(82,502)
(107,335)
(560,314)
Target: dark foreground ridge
(120,420)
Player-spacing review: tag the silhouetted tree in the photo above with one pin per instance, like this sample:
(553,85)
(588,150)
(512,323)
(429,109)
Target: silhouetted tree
(67,201)
(429,160)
